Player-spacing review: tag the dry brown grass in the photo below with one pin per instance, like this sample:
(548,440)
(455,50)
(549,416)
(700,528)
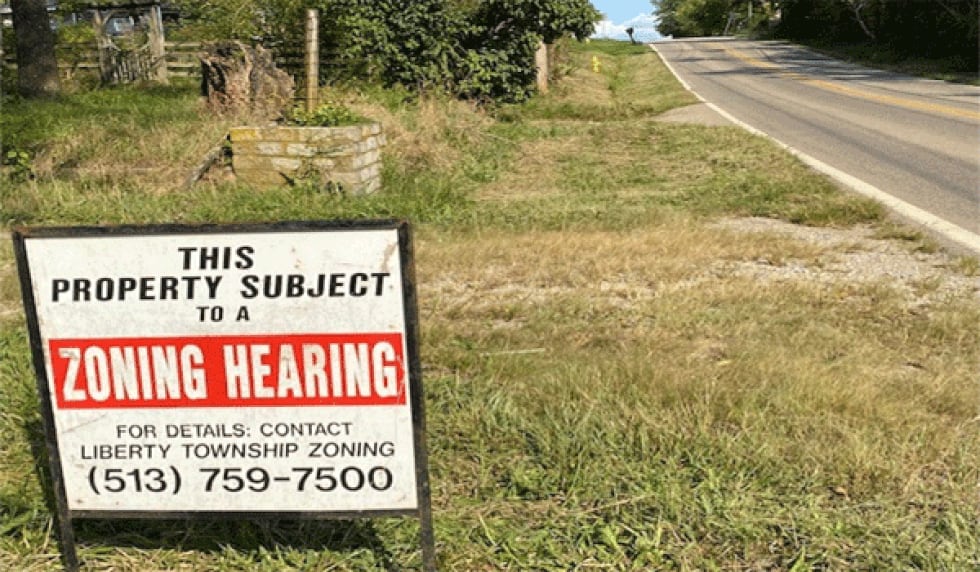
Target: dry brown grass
(432,133)
(500,281)
(672,251)
(10,305)
(532,174)
(836,394)
(584,87)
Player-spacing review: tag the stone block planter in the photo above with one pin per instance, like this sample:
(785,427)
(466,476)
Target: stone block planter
(345,159)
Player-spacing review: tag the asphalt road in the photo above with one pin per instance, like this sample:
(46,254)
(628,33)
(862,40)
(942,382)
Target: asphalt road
(913,139)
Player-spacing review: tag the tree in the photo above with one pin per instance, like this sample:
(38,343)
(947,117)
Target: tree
(37,66)
(502,38)
(692,17)
(479,49)
(858,8)
(667,23)
(944,29)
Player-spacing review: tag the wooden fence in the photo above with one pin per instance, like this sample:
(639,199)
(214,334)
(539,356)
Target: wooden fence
(78,61)
(81,60)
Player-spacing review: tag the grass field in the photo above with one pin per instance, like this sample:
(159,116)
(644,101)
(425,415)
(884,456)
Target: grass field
(603,391)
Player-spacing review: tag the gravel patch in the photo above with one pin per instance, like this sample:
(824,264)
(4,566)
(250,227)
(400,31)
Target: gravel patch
(842,258)
(854,256)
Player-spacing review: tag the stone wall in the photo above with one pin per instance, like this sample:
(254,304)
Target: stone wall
(345,159)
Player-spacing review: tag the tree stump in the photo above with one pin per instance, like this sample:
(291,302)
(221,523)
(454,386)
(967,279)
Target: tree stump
(237,79)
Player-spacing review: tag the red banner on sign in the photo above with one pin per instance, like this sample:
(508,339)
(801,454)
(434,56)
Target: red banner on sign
(229,371)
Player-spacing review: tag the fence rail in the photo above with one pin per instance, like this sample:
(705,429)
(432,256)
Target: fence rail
(75,59)
(78,60)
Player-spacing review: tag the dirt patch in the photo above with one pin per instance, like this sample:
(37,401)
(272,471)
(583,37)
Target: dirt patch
(853,256)
(699,113)
(617,270)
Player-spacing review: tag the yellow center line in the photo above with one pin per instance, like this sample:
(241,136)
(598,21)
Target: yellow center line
(829,86)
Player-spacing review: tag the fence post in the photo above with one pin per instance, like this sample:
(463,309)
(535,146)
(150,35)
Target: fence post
(157,49)
(312,59)
(105,58)
(541,62)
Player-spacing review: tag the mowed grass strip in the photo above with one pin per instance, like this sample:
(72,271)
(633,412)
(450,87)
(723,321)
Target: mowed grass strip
(659,418)
(602,391)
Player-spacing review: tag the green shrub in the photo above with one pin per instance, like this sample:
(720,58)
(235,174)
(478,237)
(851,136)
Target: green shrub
(325,115)
(479,50)
(20,164)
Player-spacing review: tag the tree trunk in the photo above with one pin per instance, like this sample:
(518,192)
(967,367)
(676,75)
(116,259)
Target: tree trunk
(856,7)
(37,68)
(236,78)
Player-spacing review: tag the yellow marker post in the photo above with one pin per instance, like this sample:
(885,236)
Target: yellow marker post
(596,67)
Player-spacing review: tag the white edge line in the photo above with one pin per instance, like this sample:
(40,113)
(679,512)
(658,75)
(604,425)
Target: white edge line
(950,231)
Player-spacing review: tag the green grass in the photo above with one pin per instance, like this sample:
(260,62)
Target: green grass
(628,87)
(602,390)
(721,425)
(118,107)
(102,142)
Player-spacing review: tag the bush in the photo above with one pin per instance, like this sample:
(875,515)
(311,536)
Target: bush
(482,50)
(326,115)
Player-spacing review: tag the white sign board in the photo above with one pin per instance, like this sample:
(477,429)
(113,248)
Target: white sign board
(251,370)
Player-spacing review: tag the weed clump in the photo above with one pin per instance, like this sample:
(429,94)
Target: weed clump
(329,114)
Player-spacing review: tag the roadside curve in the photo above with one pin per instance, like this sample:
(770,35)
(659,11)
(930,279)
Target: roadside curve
(947,232)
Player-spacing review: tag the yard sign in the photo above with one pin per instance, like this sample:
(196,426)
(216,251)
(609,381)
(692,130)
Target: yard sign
(228,371)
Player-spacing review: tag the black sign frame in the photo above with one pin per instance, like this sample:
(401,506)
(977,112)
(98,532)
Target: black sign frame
(65,516)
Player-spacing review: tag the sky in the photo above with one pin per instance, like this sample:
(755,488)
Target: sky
(622,14)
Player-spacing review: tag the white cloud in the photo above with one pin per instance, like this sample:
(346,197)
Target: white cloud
(642,21)
(606,29)
(644,29)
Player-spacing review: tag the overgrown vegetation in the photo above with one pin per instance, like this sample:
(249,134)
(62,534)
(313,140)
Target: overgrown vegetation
(480,50)
(603,390)
(326,114)
(139,138)
(886,57)
(683,18)
(942,32)
(897,33)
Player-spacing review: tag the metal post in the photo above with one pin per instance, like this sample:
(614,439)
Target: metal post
(312,59)
(69,553)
